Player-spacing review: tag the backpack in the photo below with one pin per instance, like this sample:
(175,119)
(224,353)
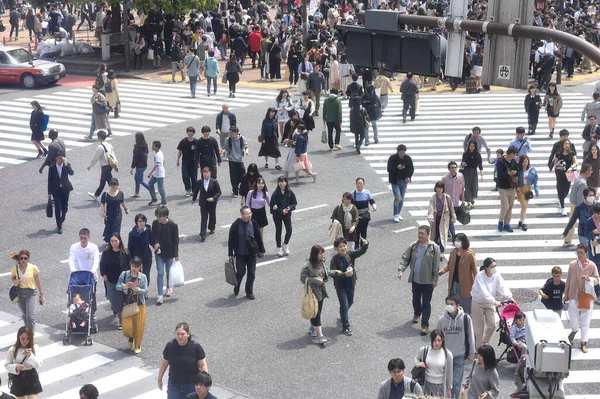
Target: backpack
(108,87)
(373,106)
(241,144)
(354,100)
(100,83)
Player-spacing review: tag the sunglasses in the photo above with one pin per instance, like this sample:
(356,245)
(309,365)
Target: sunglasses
(23,258)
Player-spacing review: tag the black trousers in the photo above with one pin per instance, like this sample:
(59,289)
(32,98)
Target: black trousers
(361,230)
(279,220)
(293,76)
(61,206)
(243,263)
(236,173)
(208,215)
(562,186)
(105,176)
(409,102)
(338,131)
(532,120)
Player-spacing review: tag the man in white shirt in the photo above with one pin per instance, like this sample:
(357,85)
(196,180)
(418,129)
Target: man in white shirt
(103,150)
(157,175)
(84,255)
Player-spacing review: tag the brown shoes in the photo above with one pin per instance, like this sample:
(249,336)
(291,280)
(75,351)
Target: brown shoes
(416,319)
(424,330)
(584,347)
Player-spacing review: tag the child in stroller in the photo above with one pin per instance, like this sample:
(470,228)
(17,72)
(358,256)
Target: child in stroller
(78,312)
(507,316)
(517,334)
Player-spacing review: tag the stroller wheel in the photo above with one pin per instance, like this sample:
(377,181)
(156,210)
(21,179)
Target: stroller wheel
(88,341)
(65,341)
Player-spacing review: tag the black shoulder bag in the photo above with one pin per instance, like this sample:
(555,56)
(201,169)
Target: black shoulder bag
(13,293)
(418,373)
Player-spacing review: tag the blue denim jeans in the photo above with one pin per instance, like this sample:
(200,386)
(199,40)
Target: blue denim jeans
(346,299)
(421,301)
(375,134)
(223,49)
(161,265)
(464,303)
(399,190)
(139,180)
(193,80)
(214,82)
(179,391)
(161,189)
(458,364)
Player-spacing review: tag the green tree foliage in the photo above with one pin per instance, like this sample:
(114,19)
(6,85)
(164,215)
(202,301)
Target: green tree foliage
(175,6)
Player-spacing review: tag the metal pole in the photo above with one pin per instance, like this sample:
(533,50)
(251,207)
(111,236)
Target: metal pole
(515,30)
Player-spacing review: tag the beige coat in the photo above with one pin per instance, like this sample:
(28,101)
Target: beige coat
(448,216)
(113,96)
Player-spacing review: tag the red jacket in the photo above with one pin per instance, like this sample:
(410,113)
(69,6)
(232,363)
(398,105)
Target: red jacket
(254,40)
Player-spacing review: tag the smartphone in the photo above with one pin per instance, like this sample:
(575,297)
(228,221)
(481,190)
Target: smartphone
(41,303)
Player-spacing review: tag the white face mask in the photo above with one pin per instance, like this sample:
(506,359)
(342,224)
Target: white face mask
(493,271)
(591,198)
(450,308)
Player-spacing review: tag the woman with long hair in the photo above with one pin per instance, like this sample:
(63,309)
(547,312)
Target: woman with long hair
(36,123)
(283,203)
(138,243)
(527,183)
(233,70)
(22,364)
(593,159)
(134,286)
(248,182)
(269,134)
(114,260)
(316,273)
(553,103)
(462,269)
(284,105)
(437,361)
(482,381)
(471,160)
(257,200)
(564,160)
(347,215)
(306,107)
(582,272)
(441,214)
(139,163)
(26,276)
(533,102)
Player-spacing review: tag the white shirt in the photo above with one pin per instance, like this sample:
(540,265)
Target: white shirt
(59,170)
(159,163)
(486,288)
(87,258)
(205,182)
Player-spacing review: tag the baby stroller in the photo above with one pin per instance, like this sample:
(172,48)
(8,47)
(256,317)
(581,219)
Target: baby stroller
(82,283)
(506,315)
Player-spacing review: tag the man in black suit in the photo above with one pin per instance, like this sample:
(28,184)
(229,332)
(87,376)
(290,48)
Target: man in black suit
(59,188)
(210,191)
(246,249)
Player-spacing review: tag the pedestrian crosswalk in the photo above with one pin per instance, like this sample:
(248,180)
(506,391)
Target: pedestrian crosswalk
(525,258)
(65,368)
(144,105)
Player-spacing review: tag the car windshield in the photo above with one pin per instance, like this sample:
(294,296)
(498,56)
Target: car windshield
(21,55)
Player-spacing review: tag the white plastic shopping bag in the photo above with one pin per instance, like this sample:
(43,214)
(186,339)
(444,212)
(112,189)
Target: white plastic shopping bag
(176,275)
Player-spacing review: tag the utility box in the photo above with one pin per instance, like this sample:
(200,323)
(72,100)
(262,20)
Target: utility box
(548,345)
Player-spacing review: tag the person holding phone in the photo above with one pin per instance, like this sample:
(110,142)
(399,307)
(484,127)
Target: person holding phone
(22,363)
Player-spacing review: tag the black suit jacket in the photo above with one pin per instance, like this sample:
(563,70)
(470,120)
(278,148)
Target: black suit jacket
(55,183)
(214,191)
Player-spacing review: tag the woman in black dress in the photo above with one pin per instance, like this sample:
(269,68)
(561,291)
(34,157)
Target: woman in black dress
(115,260)
(471,160)
(564,160)
(110,208)
(232,71)
(22,364)
(269,134)
(36,123)
(533,102)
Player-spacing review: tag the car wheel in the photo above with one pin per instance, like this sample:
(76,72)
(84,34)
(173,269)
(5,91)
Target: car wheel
(28,81)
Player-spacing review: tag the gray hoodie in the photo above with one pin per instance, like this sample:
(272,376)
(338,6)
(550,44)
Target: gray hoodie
(454,333)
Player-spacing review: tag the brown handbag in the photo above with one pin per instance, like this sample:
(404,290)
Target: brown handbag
(584,301)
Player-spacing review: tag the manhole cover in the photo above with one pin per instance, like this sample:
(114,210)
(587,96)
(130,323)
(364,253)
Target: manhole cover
(522,295)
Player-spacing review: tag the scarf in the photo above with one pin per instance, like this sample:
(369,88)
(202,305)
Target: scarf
(347,215)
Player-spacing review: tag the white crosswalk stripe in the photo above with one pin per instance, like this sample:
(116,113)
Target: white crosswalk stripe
(65,368)
(145,105)
(436,136)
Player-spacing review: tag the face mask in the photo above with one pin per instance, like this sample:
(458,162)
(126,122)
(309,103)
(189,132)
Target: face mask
(493,271)
(591,198)
(450,308)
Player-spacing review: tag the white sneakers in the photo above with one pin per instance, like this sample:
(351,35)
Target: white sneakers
(280,252)
(565,212)
(188,193)
(160,300)
(285,249)
(169,292)
(93,196)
